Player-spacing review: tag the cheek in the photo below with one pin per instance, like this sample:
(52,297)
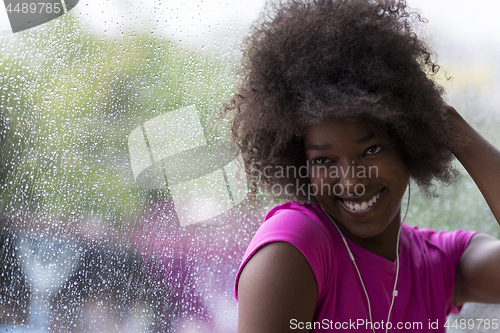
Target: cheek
(399,171)
(394,168)
(399,178)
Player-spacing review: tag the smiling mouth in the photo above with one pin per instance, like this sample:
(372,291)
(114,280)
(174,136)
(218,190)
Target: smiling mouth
(360,206)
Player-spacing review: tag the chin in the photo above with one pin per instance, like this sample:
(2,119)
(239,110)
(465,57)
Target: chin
(366,234)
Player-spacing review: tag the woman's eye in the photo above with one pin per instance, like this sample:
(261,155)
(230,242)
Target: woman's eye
(373,150)
(321,160)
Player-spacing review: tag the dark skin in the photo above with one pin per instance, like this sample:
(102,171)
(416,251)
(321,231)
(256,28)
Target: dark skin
(345,156)
(277,283)
(478,271)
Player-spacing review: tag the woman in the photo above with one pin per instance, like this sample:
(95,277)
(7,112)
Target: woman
(341,89)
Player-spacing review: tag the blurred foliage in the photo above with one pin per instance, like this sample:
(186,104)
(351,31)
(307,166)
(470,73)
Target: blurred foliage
(69,99)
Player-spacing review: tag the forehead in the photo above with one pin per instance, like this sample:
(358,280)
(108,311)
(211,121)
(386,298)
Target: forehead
(330,131)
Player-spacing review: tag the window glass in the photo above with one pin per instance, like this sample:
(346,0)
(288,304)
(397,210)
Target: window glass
(123,206)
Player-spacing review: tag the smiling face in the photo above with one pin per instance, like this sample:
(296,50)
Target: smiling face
(360,178)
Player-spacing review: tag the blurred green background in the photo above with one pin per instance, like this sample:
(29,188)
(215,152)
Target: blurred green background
(73,89)
(70,98)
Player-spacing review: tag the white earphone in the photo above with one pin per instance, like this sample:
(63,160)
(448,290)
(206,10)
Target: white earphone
(394,291)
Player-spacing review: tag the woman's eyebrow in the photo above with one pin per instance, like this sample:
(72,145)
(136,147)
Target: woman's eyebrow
(366,138)
(317,147)
(327,146)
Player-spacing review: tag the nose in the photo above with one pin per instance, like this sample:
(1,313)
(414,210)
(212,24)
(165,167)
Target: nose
(353,178)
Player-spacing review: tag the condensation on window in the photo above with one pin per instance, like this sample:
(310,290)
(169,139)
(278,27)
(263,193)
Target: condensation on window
(123,204)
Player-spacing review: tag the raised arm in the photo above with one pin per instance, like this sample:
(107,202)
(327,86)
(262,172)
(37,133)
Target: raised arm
(276,286)
(478,271)
(481,160)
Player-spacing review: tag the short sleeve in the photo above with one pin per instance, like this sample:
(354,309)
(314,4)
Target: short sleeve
(305,234)
(453,244)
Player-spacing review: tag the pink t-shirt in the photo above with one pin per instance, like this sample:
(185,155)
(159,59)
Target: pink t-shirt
(428,260)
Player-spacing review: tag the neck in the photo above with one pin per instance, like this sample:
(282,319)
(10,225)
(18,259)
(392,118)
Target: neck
(383,245)
(394,291)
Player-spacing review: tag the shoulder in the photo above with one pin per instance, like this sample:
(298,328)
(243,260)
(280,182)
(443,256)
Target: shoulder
(434,257)
(450,243)
(300,226)
(435,253)
(294,223)
(277,284)
(478,271)
(277,278)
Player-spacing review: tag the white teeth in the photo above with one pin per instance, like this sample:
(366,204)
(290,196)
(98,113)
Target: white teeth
(360,206)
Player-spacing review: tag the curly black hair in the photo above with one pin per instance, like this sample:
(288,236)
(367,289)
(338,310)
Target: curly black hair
(308,60)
